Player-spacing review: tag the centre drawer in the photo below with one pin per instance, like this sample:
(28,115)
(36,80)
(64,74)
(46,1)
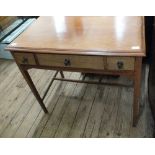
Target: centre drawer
(73,61)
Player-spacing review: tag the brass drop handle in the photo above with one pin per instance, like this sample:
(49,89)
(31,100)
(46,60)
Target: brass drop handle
(25,60)
(67,62)
(120,64)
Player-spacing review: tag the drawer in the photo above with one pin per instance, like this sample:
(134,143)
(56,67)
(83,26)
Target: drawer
(73,61)
(120,63)
(25,58)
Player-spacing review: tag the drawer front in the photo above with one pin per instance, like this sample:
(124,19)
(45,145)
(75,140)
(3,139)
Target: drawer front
(25,58)
(73,61)
(120,63)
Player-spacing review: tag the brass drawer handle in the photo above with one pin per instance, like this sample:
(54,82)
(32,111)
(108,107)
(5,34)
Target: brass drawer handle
(25,60)
(120,64)
(67,62)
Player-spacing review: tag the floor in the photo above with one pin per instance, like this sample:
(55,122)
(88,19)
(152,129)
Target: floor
(75,110)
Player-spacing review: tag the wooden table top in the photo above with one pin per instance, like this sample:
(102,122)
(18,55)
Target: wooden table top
(104,35)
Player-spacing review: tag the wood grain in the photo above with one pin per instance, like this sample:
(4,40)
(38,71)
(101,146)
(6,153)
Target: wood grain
(53,98)
(120,36)
(71,111)
(102,35)
(78,127)
(13,103)
(53,122)
(17,121)
(21,116)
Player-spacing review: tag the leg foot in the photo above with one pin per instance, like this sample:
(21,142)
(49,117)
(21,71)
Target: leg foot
(62,75)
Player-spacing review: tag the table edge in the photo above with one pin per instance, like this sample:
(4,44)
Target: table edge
(79,51)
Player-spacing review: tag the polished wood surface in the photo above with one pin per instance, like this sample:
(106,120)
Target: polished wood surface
(113,45)
(117,36)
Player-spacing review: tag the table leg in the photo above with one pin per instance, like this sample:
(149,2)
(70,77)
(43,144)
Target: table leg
(137,89)
(62,75)
(33,88)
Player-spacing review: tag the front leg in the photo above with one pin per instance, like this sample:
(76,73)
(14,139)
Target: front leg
(137,89)
(32,87)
